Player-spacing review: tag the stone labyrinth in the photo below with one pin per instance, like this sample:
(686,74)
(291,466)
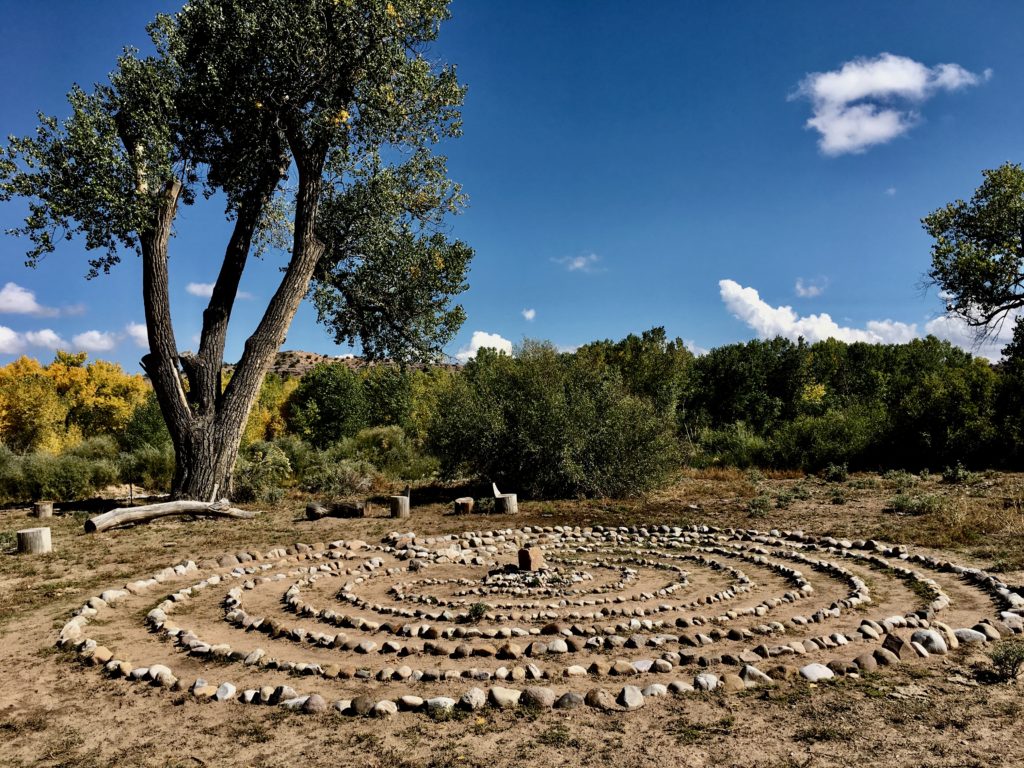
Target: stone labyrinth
(612,618)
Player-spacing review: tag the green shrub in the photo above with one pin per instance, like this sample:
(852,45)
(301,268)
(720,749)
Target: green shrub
(150,466)
(145,427)
(783,499)
(916,504)
(260,473)
(958,475)
(547,425)
(340,477)
(1008,658)
(393,453)
(734,445)
(835,473)
(838,497)
(837,437)
(63,477)
(759,505)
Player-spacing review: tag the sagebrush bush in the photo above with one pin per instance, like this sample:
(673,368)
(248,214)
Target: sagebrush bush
(916,504)
(261,472)
(346,477)
(1008,658)
(393,453)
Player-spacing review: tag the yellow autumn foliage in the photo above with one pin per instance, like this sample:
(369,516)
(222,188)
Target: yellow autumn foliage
(50,408)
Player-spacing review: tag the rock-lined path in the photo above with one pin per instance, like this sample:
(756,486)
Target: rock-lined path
(620,617)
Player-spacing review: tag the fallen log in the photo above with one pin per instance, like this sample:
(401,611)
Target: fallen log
(316,510)
(125,515)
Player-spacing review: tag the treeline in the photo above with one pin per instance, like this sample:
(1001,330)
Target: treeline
(610,419)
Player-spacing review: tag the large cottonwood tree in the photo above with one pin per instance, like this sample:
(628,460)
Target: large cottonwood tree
(314,121)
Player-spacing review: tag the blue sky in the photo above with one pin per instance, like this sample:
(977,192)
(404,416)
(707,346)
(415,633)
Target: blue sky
(726,170)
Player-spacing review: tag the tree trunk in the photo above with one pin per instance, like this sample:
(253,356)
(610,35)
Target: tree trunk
(205,461)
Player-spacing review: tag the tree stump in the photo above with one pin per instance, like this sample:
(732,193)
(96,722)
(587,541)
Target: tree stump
(400,506)
(43,509)
(464,505)
(506,503)
(34,541)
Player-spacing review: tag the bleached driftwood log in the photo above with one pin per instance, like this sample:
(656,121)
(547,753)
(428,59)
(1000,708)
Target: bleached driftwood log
(34,541)
(125,515)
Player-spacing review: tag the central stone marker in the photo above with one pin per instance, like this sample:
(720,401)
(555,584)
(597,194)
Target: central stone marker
(530,559)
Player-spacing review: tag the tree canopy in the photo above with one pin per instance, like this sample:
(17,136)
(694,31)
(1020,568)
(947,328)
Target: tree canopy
(978,253)
(314,121)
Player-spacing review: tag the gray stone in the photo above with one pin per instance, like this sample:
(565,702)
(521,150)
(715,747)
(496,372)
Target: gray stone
(569,700)
(599,698)
(630,697)
(314,703)
(706,681)
(970,637)
(654,689)
(816,673)
(504,698)
(931,641)
(225,692)
(439,704)
(385,708)
(537,698)
(472,699)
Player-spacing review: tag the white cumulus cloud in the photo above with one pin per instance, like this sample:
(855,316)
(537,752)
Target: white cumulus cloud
(529,314)
(137,333)
(94,341)
(768,322)
(21,301)
(870,101)
(808,289)
(480,340)
(45,338)
(11,342)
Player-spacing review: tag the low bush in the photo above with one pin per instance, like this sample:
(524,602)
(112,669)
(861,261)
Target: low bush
(261,472)
(1008,658)
(734,445)
(916,504)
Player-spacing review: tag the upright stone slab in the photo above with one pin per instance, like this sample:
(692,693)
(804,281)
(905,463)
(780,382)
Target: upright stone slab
(530,559)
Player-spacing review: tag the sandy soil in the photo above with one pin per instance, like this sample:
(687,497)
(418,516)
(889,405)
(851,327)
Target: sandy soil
(939,711)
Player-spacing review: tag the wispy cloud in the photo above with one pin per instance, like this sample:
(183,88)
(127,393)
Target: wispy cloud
(890,191)
(530,314)
(869,101)
(808,289)
(480,340)
(586,263)
(11,342)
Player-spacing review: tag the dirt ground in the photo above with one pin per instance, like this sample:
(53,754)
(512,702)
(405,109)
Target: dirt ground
(941,711)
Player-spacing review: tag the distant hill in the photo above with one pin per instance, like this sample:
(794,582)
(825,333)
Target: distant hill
(296,363)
